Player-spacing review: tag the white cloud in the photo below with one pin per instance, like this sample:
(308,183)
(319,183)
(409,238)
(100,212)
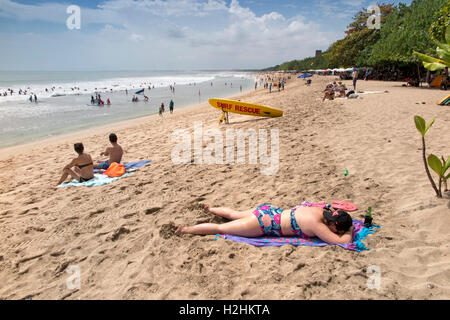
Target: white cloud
(136,37)
(168,34)
(354,3)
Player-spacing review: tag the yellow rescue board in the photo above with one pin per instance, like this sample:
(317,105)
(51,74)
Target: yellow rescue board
(245,108)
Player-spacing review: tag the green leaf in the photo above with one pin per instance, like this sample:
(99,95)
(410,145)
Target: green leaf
(446,166)
(420,125)
(429,126)
(431,63)
(443,53)
(435,164)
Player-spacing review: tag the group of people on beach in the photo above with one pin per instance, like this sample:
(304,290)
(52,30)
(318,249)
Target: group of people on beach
(162,108)
(335,90)
(82,167)
(271,81)
(331,226)
(31,98)
(11,92)
(408,76)
(98,100)
(25,92)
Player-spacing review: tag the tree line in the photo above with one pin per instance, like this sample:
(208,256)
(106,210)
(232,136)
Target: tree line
(403,29)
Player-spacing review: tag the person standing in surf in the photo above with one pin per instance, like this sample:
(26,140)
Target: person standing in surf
(171,106)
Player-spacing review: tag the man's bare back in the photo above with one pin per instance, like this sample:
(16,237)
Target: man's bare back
(115,153)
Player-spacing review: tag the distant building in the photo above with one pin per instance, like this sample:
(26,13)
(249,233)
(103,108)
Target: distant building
(318,53)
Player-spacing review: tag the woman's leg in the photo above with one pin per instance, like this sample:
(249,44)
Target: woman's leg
(66,173)
(228,213)
(245,227)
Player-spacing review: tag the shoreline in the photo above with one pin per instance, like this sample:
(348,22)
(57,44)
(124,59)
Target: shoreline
(96,130)
(24,123)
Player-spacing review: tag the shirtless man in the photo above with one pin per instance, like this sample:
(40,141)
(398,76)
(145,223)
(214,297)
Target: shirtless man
(115,153)
(333,227)
(355,77)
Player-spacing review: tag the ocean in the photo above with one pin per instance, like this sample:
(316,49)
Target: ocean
(66,104)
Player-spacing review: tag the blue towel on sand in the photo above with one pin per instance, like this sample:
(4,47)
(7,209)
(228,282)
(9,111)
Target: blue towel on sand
(129,166)
(98,180)
(101,179)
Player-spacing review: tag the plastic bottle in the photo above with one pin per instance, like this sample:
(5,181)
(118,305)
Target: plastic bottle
(368,218)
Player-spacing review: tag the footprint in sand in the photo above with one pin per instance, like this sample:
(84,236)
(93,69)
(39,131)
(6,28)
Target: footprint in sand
(129,215)
(167,231)
(94,213)
(117,234)
(152,210)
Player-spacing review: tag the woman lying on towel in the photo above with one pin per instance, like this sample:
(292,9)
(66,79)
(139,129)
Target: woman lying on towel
(84,167)
(333,227)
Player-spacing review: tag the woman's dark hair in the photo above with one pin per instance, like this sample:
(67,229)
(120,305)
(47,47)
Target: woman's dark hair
(341,219)
(79,148)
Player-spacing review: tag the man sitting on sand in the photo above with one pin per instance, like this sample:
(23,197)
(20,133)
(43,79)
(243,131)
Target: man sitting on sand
(115,153)
(333,227)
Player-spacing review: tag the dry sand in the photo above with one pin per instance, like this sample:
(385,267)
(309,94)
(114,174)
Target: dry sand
(121,235)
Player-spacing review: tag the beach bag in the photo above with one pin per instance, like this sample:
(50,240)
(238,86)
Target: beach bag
(115,170)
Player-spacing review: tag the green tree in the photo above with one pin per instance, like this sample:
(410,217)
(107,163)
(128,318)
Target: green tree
(442,22)
(405,30)
(356,46)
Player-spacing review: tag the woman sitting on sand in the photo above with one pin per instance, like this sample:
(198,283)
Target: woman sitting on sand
(334,227)
(84,167)
(329,92)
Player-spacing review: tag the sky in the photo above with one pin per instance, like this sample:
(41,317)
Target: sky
(168,34)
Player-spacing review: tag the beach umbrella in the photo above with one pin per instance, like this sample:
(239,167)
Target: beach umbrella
(305,75)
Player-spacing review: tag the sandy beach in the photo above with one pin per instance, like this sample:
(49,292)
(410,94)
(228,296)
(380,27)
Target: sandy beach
(121,236)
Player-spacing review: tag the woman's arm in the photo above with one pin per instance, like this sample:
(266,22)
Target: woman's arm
(71,164)
(325,234)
